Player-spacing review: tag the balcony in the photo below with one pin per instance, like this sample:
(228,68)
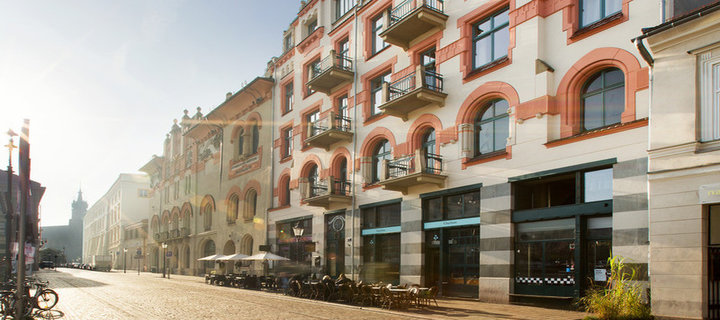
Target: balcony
(422,88)
(332,72)
(326,192)
(413,20)
(161,236)
(174,234)
(418,169)
(328,130)
(184,232)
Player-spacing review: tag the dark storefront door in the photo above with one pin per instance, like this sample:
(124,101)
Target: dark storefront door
(453,260)
(714,263)
(335,244)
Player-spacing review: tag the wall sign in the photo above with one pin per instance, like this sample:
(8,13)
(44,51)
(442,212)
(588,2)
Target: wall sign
(709,193)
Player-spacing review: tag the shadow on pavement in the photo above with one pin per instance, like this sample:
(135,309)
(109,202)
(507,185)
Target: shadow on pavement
(49,314)
(59,279)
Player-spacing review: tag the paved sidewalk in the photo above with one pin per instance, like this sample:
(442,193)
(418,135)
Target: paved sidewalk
(114,295)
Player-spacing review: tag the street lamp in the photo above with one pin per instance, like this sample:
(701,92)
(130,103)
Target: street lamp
(164,246)
(124,260)
(9,211)
(298,232)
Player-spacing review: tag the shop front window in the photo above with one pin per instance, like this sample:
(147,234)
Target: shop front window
(545,257)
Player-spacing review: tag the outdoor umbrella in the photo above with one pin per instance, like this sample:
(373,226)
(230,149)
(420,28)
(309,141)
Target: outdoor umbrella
(212,257)
(233,257)
(265,256)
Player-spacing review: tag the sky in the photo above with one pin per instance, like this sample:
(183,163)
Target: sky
(101,81)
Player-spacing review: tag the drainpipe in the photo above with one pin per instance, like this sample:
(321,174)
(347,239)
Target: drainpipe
(353,187)
(272,163)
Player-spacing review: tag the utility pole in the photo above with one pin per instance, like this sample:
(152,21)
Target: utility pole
(10,208)
(24,173)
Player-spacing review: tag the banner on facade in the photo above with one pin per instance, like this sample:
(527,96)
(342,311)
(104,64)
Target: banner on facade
(709,193)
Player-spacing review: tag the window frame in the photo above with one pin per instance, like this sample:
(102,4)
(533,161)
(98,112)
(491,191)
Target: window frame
(376,85)
(490,33)
(581,6)
(348,6)
(603,89)
(376,27)
(378,156)
(289,97)
(255,138)
(444,204)
(287,142)
(479,122)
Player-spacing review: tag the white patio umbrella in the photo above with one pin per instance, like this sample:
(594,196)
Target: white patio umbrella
(265,256)
(212,257)
(233,257)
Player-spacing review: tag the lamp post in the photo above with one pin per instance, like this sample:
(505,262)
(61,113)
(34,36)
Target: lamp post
(164,246)
(298,232)
(124,260)
(9,211)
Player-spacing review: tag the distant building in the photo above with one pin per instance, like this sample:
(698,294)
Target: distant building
(68,238)
(125,203)
(36,193)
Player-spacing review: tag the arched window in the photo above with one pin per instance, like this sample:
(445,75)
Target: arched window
(382,152)
(240,142)
(255,139)
(232,210)
(250,204)
(207,217)
(428,149)
(492,128)
(342,170)
(187,256)
(603,99)
(285,191)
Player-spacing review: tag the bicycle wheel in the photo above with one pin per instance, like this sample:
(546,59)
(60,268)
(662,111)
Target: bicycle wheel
(5,310)
(46,299)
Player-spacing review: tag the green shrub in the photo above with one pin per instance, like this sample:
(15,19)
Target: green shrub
(621,298)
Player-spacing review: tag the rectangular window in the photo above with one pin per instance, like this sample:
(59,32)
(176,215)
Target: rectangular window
(343,51)
(564,189)
(311,26)
(312,69)
(377,24)
(342,103)
(714,214)
(710,99)
(310,120)
(287,42)
(342,7)
(288,99)
(287,142)
(376,92)
(491,39)
(592,11)
(381,216)
(456,206)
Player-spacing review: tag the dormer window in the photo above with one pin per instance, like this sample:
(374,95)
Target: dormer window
(287,42)
(311,26)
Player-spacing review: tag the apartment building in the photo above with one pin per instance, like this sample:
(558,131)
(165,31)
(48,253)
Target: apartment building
(493,148)
(210,188)
(125,203)
(684,159)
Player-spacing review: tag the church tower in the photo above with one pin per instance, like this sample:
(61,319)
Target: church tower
(79,208)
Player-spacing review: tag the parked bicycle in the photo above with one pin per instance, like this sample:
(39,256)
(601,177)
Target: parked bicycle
(37,295)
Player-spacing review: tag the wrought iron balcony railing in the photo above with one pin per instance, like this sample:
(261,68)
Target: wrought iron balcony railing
(329,129)
(406,7)
(427,79)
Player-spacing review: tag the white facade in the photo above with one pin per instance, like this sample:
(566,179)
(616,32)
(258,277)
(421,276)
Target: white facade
(126,202)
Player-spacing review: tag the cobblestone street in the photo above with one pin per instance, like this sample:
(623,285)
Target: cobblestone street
(115,295)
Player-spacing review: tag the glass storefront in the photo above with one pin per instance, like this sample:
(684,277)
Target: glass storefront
(297,248)
(381,243)
(452,241)
(335,244)
(545,258)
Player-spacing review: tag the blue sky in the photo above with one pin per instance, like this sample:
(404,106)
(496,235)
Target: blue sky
(101,81)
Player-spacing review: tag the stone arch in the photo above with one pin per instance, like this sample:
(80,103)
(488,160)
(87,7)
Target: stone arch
(419,128)
(376,135)
(487,92)
(307,165)
(208,199)
(246,245)
(568,93)
(335,160)
(186,210)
